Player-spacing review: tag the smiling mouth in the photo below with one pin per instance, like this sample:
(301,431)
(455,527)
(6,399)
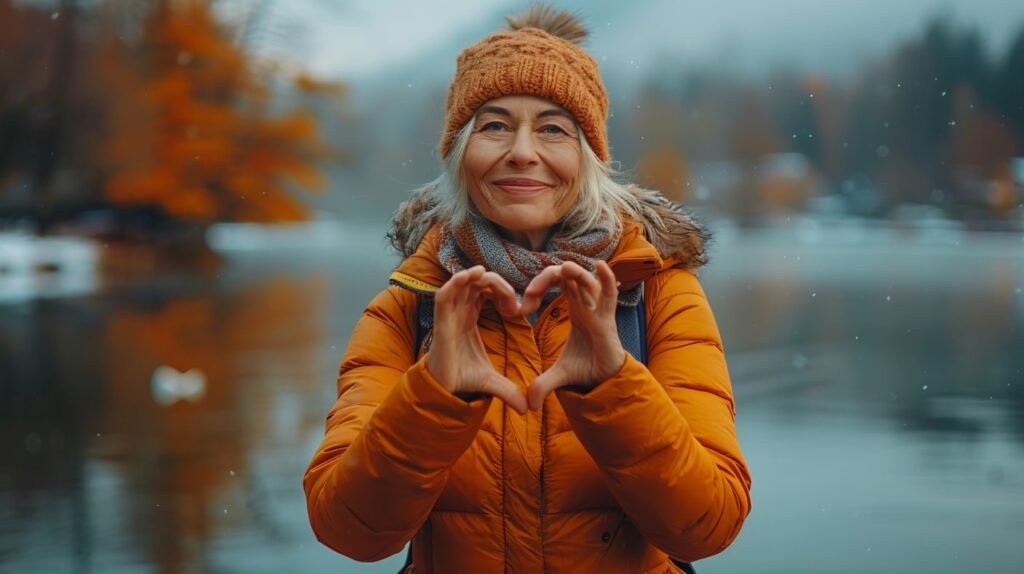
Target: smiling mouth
(521,187)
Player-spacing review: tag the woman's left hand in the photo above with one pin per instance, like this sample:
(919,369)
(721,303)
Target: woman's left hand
(593,352)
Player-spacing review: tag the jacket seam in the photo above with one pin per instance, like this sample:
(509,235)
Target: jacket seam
(501,442)
(436,511)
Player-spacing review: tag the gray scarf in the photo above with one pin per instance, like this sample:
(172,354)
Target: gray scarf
(476,241)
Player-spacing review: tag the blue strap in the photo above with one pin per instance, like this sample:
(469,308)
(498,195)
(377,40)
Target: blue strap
(632,328)
(424,321)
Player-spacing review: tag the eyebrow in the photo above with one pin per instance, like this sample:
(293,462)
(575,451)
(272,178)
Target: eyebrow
(546,113)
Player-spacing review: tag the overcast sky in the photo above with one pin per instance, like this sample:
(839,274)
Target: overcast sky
(349,39)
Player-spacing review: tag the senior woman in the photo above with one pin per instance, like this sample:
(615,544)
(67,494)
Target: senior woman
(520,435)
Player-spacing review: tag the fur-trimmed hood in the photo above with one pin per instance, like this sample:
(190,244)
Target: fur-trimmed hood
(679,237)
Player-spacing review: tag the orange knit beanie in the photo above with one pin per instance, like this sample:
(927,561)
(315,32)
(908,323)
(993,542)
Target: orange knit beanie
(538,55)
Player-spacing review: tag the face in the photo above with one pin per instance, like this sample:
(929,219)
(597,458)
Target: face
(522,166)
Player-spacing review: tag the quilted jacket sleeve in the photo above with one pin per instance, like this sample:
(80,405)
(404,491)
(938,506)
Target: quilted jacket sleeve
(664,435)
(391,438)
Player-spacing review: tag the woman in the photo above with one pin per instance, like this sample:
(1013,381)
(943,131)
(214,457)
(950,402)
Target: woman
(520,436)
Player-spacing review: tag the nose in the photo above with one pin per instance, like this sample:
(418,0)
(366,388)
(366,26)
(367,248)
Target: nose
(524,149)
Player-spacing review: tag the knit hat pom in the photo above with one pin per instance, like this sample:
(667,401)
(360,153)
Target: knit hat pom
(560,23)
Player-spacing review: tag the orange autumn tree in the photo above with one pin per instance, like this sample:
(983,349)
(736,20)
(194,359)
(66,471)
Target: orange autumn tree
(199,143)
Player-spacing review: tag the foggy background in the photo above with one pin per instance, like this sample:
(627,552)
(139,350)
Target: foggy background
(193,201)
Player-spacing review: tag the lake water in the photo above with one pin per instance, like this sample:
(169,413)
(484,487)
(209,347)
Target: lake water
(879,385)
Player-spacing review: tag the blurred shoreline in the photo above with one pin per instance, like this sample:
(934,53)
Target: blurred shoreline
(66,266)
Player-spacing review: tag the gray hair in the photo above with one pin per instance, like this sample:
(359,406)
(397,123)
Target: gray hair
(446,199)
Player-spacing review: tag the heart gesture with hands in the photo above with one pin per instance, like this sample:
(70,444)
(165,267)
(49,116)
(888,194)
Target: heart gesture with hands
(593,352)
(457,357)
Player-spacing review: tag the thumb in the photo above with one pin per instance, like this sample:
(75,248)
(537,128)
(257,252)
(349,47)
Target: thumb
(507,391)
(542,386)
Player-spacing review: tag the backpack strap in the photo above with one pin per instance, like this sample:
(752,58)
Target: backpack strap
(631,324)
(424,320)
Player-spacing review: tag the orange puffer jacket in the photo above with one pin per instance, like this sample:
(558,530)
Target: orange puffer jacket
(641,468)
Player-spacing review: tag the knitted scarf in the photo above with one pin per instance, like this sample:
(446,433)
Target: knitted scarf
(476,241)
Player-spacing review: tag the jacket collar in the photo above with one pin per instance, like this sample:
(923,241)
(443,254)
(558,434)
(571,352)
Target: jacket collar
(633,262)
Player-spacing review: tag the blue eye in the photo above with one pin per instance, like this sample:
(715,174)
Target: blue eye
(486,126)
(557,130)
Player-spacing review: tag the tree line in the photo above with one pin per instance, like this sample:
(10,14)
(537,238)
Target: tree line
(939,121)
(150,115)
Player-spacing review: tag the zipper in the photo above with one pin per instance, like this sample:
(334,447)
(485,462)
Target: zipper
(541,321)
(543,496)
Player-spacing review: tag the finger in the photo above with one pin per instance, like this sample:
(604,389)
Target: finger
(577,296)
(463,288)
(606,277)
(472,293)
(541,283)
(609,285)
(459,311)
(453,284)
(501,292)
(507,391)
(587,287)
(588,294)
(464,295)
(572,270)
(588,281)
(542,386)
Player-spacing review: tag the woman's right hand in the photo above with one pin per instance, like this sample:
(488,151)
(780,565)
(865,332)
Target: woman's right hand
(457,358)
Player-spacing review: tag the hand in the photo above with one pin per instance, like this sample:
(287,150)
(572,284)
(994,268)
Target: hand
(593,352)
(457,358)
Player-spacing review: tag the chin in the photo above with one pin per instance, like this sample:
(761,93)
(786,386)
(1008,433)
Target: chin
(524,214)
(511,222)
(525,229)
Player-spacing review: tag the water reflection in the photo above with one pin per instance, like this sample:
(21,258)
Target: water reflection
(880,393)
(95,461)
